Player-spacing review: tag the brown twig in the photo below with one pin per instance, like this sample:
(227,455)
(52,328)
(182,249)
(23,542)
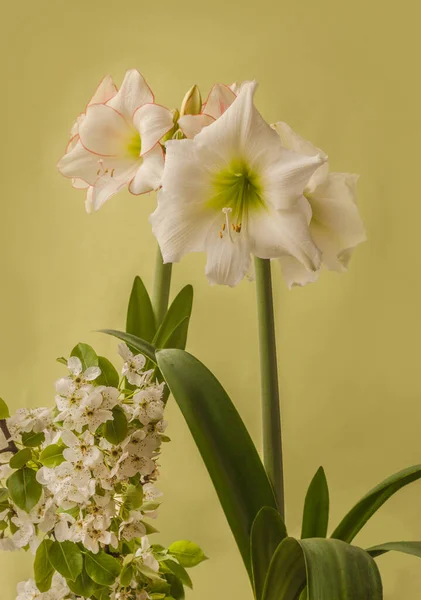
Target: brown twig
(11,446)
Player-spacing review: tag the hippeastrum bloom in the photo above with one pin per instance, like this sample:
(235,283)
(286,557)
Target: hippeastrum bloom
(116,143)
(336,226)
(232,191)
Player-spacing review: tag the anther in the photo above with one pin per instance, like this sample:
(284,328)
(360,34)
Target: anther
(223,226)
(220,235)
(112,173)
(238,227)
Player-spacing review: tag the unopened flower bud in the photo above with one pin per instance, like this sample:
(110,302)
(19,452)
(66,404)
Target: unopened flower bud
(192,102)
(170,134)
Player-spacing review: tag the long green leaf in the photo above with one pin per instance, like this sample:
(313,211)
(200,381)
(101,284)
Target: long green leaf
(223,441)
(140,317)
(178,313)
(358,516)
(267,532)
(413,548)
(142,346)
(331,569)
(316,507)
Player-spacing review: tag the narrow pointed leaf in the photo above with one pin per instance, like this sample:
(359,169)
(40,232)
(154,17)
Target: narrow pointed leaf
(267,532)
(316,507)
(229,454)
(331,570)
(177,315)
(141,346)
(413,548)
(140,317)
(358,516)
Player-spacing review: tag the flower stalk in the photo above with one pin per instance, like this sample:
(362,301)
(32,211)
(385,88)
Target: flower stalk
(271,412)
(161,289)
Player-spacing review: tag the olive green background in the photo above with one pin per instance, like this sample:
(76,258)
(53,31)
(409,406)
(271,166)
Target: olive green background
(343,74)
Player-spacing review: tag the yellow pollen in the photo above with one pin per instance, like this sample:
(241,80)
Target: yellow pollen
(112,173)
(233,226)
(223,226)
(220,235)
(238,227)
(98,172)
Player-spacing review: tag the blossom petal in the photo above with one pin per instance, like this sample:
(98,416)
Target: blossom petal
(275,233)
(191,125)
(80,163)
(104,92)
(74,365)
(295,273)
(153,122)
(336,226)
(227,261)
(106,186)
(149,174)
(220,98)
(105,132)
(134,92)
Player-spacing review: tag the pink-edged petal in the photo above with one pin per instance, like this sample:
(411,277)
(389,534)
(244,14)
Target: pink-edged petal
(191,125)
(104,92)
(295,273)
(149,174)
(152,122)
(134,92)
(79,184)
(89,205)
(228,259)
(80,163)
(220,98)
(106,186)
(105,132)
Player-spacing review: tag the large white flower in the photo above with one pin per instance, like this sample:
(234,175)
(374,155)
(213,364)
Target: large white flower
(117,143)
(336,226)
(232,191)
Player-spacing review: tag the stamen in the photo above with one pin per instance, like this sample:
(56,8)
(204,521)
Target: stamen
(112,173)
(238,228)
(223,226)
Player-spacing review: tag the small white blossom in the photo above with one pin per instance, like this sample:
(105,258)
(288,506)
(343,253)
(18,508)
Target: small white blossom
(133,365)
(145,553)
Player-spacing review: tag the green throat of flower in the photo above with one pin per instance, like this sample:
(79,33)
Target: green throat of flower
(237,193)
(135,145)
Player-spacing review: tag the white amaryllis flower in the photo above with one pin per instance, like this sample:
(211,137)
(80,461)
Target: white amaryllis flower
(232,191)
(117,143)
(336,226)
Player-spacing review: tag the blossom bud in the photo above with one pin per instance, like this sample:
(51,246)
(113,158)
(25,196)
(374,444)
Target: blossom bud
(170,134)
(192,102)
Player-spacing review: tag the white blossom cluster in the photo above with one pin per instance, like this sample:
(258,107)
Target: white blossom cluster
(89,466)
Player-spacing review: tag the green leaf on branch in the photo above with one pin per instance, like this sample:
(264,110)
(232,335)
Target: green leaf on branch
(187,553)
(358,516)
(172,332)
(223,441)
(133,497)
(180,572)
(148,572)
(21,458)
(32,439)
(87,355)
(4,410)
(140,316)
(66,557)
(413,548)
(109,375)
(267,532)
(176,589)
(316,507)
(331,569)
(24,489)
(126,575)
(139,345)
(102,568)
(83,585)
(43,569)
(115,430)
(52,456)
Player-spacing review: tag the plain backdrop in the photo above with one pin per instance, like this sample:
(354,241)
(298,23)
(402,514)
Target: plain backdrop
(343,74)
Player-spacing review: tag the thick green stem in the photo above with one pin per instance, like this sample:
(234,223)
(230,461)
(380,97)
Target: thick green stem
(271,412)
(161,288)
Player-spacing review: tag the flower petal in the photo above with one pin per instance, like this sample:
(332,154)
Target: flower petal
(228,261)
(149,174)
(220,98)
(295,273)
(336,225)
(79,163)
(191,125)
(274,233)
(74,365)
(105,132)
(107,185)
(153,122)
(104,92)
(134,92)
